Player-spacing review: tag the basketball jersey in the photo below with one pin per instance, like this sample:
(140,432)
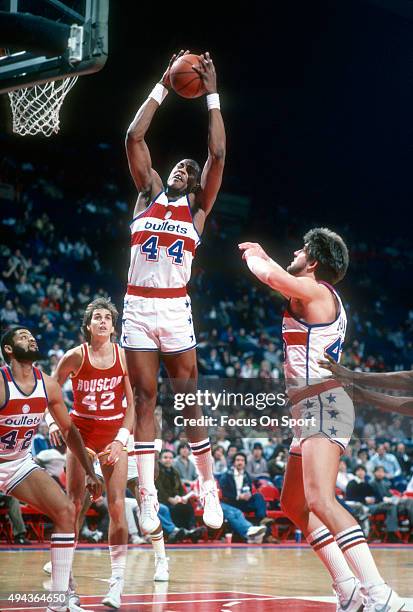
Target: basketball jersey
(305,344)
(163,243)
(98,392)
(20,415)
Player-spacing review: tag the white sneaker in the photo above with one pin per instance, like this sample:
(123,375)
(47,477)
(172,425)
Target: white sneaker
(47,568)
(161,569)
(213,515)
(255,534)
(148,518)
(70,607)
(349,595)
(137,539)
(382,598)
(74,599)
(112,599)
(73,606)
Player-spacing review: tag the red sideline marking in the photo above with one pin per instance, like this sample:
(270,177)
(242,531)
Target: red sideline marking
(200,602)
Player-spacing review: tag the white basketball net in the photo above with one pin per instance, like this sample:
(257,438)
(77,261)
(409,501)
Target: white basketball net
(36,109)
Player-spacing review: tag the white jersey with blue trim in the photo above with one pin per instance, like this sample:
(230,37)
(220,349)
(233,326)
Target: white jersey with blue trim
(305,344)
(163,243)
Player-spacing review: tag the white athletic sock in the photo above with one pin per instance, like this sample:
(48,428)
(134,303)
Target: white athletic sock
(158,544)
(356,551)
(327,550)
(145,461)
(62,548)
(118,554)
(203,459)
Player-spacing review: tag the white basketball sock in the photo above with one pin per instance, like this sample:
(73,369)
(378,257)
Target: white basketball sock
(203,459)
(62,548)
(145,462)
(118,554)
(356,551)
(158,544)
(329,553)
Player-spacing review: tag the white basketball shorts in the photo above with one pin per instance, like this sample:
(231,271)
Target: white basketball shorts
(328,414)
(157,324)
(12,473)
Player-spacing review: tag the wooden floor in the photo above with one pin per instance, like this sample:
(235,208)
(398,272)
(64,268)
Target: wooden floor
(208,578)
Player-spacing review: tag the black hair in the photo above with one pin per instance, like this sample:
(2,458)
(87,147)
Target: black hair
(329,250)
(377,468)
(240,454)
(7,338)
(166,450)
(182,445)
(98,303)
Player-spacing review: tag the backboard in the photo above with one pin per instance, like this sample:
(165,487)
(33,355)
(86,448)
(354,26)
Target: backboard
(47,40)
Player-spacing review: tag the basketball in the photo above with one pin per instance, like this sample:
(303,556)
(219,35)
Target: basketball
(184,80)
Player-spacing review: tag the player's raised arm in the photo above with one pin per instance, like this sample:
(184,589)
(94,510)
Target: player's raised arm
(147,181)
(272,274)
(211,177)
(70,433)
(387,380)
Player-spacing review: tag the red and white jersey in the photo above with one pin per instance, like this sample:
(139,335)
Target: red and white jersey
(305,344)
(98,392)
(163,243)
(21,415)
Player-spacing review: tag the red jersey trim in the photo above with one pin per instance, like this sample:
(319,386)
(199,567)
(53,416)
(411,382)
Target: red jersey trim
(295,338)
(156,292)
(312,390)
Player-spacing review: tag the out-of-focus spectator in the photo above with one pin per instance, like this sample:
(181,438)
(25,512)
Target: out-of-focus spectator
(236,486)
(9,314)
(256,464)
(388,461)
(183,465)
(15,515)
(220,463)
(343,476)
(172,493)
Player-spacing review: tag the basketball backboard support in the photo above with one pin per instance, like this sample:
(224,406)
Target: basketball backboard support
(47,40)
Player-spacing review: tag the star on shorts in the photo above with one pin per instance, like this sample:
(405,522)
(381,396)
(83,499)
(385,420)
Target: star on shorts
(333,413)
(331,399)
(333,431)
(309,404)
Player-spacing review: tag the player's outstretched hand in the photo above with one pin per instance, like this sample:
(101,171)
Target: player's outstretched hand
(250,249)
(94,486)
(206,71)
(339,371)
(115,450)
(55,435)
(165,80)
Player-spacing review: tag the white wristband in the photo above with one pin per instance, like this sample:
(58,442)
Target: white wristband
(158,445)
(122,436)
(257,265)
(158,93)
(213,101)
(49,419)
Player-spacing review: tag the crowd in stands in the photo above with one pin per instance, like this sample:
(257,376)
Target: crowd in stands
(65,242)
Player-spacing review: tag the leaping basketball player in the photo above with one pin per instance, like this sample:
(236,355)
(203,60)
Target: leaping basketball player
(100,384)
(157,318)
(314,323)
(25,393)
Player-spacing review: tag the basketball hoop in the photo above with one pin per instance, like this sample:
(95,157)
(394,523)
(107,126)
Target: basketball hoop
(36,109)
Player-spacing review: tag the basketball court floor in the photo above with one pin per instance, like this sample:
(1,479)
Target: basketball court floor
(203,578)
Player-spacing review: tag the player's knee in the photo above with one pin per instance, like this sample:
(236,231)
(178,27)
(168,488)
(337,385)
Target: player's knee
(319,503)
(145,397)
(64,514)
(116,509)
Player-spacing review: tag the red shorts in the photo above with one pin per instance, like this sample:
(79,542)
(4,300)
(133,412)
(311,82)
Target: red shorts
(97,433)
